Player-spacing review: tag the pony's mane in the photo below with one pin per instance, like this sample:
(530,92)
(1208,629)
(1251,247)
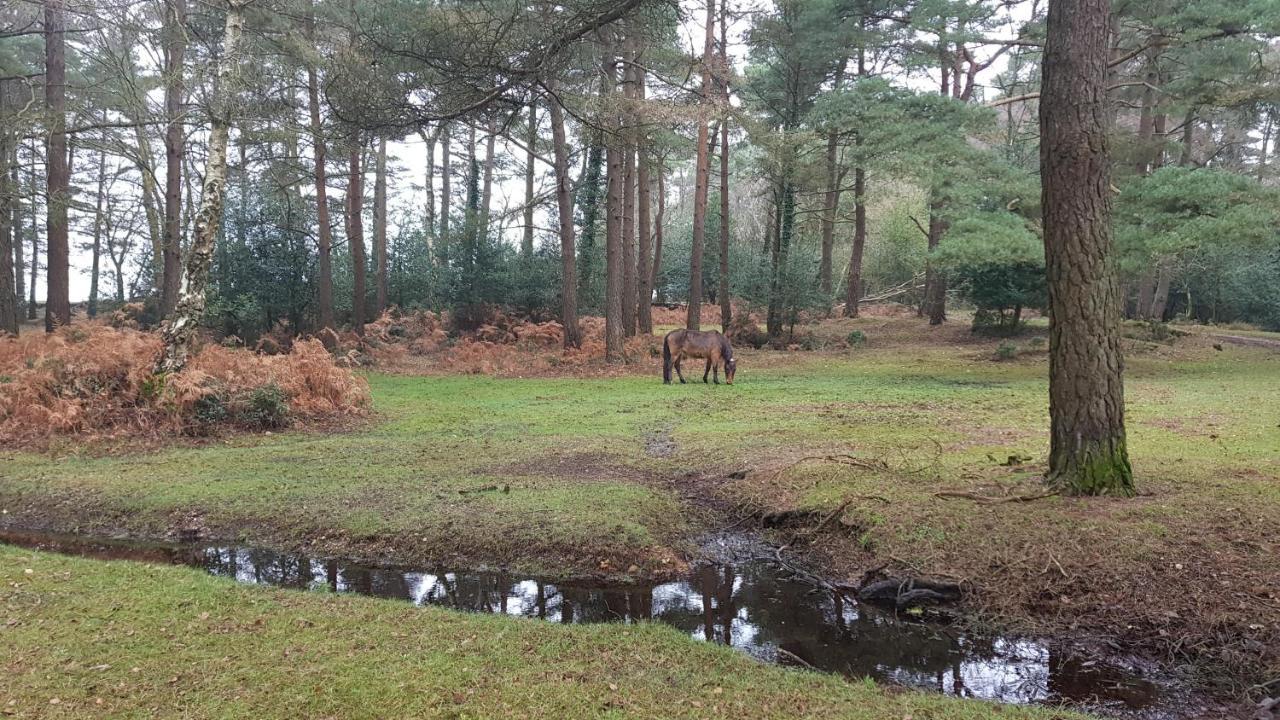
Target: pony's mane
(725,348)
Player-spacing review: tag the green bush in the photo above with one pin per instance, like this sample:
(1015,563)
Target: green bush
(265,407)
(856,339)
(1007,351)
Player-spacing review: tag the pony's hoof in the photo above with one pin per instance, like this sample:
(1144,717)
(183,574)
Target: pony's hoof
(682,382)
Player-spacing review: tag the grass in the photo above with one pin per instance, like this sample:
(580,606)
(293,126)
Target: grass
(555,476)
(90,639)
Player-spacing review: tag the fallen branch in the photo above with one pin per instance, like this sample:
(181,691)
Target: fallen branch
(796,658)
(844,459)
(988,500)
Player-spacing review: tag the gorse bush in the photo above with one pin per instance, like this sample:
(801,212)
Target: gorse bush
(99,381)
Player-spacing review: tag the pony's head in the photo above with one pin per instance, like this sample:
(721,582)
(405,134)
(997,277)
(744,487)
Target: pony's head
(730,367)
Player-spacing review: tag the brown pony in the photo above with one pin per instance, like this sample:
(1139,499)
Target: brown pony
(680,344)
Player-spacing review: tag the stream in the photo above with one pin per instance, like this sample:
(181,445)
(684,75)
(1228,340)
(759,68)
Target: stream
(748,604)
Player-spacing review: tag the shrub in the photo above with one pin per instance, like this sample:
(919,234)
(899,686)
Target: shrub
(266,407)
(104,384)
(856,339)
(1006,351)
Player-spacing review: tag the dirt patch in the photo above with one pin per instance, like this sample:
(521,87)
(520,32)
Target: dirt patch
(659,444)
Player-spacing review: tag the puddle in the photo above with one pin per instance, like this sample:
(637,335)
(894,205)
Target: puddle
(749,605)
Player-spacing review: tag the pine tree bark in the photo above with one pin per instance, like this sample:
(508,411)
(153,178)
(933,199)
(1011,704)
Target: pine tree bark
(531,138)
(429,179)
(564,207)
(629,282)
(853,283)
(644,241)
(613,325)
(702,170)
(319,151)
(1088,452)
(181,331)
(35,235)
(57,309)
(8,292)
(175,48)
(486,195)
(380,225)
(726,304)
(355,235)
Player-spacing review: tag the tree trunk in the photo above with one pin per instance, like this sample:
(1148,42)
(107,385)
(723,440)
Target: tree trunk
(935,284)
(97,234)
(57,309)
(564,207)
(531,137)
(429,179)
(694,319)
(726,304)
(613,326)
(629,283)
(175,48)
(8,293)
(324,241)
(853,284)
(486,195)
(380,225)
(15,224)
(181,330)
(355,235)
(658,219)
(1187,158)
(446,193)
(1160,299)
(644,243)
(35,236)
(150,206)
(1086,392)
(830,205)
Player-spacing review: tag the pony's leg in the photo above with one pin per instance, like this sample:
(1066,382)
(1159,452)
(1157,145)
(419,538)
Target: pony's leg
(706,371)
(715,372)
(679,373)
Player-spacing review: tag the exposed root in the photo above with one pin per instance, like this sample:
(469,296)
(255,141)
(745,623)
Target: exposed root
(988,500)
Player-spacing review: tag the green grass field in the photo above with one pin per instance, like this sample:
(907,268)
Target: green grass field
(558,476)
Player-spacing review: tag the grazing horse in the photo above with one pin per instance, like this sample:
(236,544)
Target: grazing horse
(680,344)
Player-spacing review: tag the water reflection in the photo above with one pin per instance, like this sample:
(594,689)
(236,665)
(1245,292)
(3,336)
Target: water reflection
(749,606)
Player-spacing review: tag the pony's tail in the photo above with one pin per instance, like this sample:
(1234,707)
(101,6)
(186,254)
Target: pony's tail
(666,359)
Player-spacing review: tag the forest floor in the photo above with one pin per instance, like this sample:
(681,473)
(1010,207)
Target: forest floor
(87,638)
(924,439)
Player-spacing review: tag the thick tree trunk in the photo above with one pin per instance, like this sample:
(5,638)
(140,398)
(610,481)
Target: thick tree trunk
(175,48)
(8,292)
(355,235)
(531,138)
(1086,392)
(658,219)
(564,207)
(181,331)
(694,318)
(324,235)
(57,309)
(613,325)
(96,252)
(644,244)
(380,225)
(853,283)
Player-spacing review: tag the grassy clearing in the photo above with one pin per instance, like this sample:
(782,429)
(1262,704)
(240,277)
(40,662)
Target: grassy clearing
(91,639)
(558,476)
